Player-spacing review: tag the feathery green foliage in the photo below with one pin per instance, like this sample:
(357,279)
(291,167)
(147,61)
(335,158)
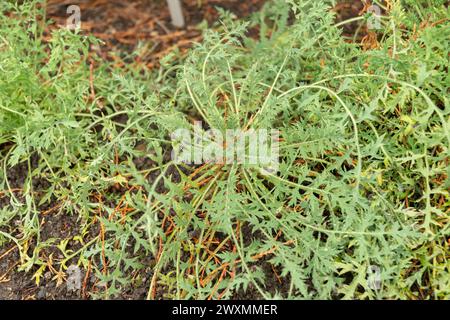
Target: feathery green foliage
(363,178)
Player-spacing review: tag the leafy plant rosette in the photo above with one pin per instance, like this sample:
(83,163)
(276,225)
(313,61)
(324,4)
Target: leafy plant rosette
(362,182)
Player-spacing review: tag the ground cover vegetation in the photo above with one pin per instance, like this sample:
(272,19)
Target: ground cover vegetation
(364,158)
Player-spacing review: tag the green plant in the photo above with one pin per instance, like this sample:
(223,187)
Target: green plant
(363,177)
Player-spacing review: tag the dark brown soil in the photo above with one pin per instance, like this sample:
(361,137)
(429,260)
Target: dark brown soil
(124,25)
(348,9)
